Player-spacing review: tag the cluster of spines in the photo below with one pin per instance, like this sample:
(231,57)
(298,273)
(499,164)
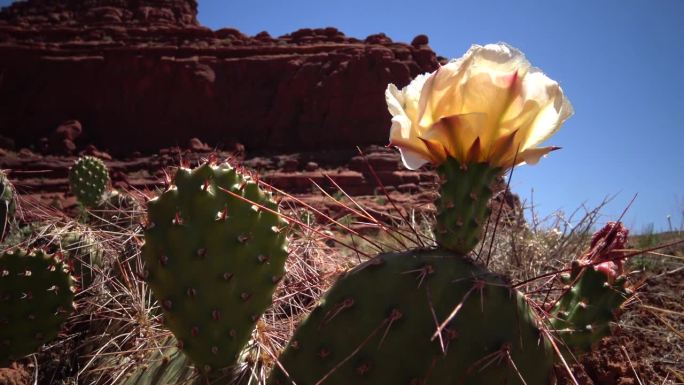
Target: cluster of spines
(36,296)
(88,179)
(214,252)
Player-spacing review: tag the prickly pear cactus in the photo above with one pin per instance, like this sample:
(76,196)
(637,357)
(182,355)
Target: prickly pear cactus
(7,204)
(595,289)
(213,260)
(36,296)
(462,203)
(88,179)
(116,212)
(583,315)
(418,317)
(166,365)
(84,254)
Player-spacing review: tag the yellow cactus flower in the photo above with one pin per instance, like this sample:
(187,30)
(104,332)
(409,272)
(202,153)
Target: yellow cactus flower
(490,106)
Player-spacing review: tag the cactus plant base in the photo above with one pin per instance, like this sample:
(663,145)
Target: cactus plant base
(418,317)
(166,365)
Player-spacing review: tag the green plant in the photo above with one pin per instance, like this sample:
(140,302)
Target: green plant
(435,317)
(595,288)
(462,203)
(36,296)
(84,253)
(88,178)
(116,212)
(7,204)
(164,365)
(583,314)
(214,252)
(418,317)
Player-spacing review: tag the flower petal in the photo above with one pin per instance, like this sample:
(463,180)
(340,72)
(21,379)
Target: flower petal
(555,108)
(500,57)
(532,155)
(394,99)
(440,91)
(503,150)
(474,153)
(437,151)
(412,160)
(457,132)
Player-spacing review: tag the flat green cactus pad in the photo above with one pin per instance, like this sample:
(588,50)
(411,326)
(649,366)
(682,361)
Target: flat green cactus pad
(213,260)
(36,296)
(583,314)
(166,365)
(88,179)
(418,317)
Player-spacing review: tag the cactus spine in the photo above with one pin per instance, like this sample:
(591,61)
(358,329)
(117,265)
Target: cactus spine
(213,260)
(88,179)
(36,295)
(7,204)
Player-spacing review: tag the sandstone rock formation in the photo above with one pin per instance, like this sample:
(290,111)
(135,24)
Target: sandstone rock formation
(143,74)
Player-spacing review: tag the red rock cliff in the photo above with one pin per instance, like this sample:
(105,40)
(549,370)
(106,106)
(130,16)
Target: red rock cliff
(142,74)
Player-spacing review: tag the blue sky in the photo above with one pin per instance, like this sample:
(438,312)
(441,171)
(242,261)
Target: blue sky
(621,63)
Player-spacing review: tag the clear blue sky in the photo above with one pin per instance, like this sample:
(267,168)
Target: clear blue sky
(621,63)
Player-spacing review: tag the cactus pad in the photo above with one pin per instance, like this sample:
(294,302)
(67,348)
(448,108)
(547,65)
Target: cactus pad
(462,204)
(166,365)
(84,254)
(583,315)
(213,260)
(117,211)
(36,295)
(379,325)
(7,204)
(88,179)
(595,290)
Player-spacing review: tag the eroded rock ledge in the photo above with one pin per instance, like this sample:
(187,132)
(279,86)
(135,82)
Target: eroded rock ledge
(144,74)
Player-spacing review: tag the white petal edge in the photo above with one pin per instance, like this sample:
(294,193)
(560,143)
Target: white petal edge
(411,160)
(394,99)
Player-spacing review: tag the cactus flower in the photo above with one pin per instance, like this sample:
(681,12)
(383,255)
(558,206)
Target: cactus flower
(490,106)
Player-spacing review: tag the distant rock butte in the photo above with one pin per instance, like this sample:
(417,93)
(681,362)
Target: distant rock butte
(144,74)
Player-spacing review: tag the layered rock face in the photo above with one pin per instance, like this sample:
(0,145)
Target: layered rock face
(143,74)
